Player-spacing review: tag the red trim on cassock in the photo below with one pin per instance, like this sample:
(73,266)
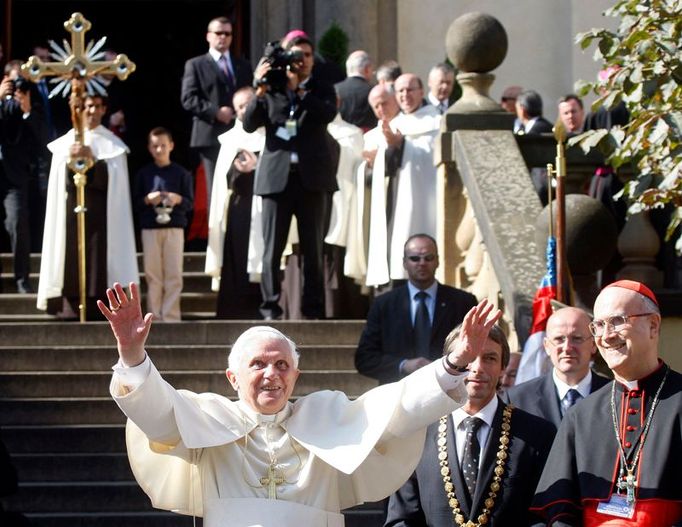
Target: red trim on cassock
(648,513)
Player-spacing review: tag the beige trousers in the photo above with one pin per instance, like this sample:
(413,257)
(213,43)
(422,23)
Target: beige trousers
(163,252)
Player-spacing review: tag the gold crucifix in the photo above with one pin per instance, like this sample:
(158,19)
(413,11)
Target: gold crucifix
(78,69)
(274,479)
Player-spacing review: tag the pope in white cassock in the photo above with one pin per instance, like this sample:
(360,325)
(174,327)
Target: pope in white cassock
(264,461)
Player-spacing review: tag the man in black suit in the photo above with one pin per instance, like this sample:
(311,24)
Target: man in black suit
(208,84)
(456,480)
(22,129)
(571,348)
(296,173)
(354,91)
(392,344)
(529,112)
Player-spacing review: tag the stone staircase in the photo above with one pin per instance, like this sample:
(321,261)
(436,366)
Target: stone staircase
(66,436)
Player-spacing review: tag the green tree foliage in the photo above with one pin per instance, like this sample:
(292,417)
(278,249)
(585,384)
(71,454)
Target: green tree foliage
(644,57)
(333,45)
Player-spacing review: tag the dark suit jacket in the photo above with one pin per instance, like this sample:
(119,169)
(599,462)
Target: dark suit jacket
(21,140)
(355,108)
(204,90)
(422,501)
(541,126)
(388,337)
(317,151)
(539,396)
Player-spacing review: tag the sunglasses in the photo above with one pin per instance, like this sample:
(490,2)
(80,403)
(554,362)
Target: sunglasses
(417,258)
(222,33)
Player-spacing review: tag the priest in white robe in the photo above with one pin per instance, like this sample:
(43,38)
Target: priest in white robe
(264,461)
(104,148)
(411,196)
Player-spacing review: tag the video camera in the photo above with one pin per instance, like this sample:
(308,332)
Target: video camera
(279,59)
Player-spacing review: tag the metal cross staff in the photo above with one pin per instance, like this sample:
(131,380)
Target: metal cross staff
(78,70)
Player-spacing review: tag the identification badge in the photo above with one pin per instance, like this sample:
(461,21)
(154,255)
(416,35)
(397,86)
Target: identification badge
(283,134)
(617,506)
(291,127)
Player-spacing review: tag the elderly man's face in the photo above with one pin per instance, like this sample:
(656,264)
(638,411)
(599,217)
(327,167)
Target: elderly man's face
(384,105)
(441,84)
(410,95)
(266,376)
(633,340)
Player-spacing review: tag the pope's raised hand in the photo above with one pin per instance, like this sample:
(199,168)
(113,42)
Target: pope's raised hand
(127,323)
(474,333)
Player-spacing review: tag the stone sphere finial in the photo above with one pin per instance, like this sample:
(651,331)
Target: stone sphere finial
(476,43)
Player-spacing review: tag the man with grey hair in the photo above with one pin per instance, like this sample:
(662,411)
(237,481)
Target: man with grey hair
(388,72)
(529,112)
(263,460)
(354,90)
(441,83)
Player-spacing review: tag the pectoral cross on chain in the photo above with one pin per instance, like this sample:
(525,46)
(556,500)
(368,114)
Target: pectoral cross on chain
(272,481)
(629,486)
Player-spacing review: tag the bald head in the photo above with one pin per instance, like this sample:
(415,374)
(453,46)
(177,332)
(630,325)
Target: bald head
(569,344)
(383,102)
(410,92)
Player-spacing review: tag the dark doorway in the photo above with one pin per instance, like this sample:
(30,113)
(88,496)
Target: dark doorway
(159,36)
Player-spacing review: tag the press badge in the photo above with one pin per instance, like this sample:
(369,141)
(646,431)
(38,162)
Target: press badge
(617,506)
(283,134)
(291,127)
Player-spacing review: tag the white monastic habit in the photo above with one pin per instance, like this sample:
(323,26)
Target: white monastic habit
(231,142)
(415,199)
(208,456)
(350,142)
(121,252)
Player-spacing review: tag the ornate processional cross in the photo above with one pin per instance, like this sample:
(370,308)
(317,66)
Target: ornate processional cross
(79,70)
(274,479)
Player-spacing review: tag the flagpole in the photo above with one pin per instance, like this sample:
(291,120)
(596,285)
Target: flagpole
(561,263)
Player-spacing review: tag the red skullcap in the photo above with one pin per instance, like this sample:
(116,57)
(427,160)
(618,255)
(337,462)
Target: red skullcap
(295,33)
(638,287)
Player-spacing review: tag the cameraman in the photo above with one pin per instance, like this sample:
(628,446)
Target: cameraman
(296,174)
(22,129)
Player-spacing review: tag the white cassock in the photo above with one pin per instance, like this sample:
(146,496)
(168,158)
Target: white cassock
(231,142)
(349,138)
(415,198)
(121,251)
(205,455)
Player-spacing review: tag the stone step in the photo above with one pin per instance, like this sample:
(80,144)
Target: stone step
(96,384)
(192,262)
(117,519)
(80,496)
(219,332)
(52,467)
(193,282)
(63,439)
(15,303)
(64,411)
(178,357)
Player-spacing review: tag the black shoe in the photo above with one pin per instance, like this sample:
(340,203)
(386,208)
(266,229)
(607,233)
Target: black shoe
(271,311)
(24,287)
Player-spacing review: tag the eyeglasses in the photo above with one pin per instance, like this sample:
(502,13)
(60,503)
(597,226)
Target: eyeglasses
(222,33)
(574,340)
(616,322)
(417,258)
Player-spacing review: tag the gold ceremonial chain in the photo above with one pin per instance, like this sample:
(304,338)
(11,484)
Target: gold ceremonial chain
(630,482)
(497,479)
(274,476)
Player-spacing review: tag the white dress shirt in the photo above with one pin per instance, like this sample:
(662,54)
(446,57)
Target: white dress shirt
(486,414)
